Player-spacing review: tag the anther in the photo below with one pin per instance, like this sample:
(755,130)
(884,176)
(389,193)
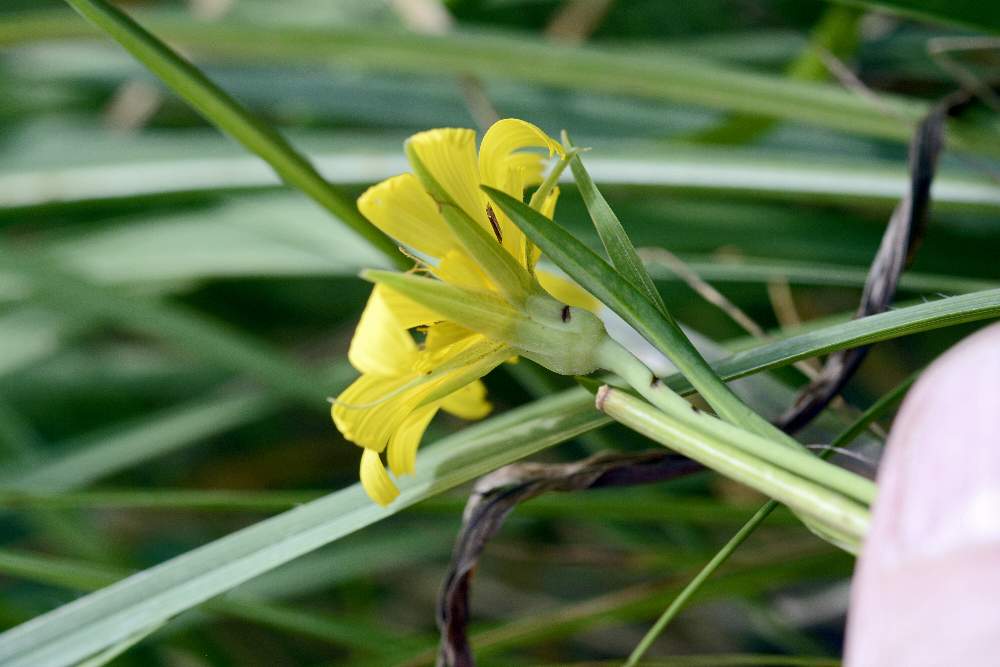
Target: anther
(494,223)
(565,314)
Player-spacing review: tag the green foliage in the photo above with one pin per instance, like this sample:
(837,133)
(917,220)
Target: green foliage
(174,314)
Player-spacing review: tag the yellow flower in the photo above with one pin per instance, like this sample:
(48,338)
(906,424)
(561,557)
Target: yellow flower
(403,385)
(472,313)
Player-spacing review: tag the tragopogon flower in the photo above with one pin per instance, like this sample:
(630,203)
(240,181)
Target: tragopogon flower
(482,302)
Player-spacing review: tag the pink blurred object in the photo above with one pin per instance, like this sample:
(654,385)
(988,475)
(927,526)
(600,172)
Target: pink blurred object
(926,589)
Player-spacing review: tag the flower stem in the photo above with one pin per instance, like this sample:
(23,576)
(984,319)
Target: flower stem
(845,520)
(539,196)
(845,437)
(797,461)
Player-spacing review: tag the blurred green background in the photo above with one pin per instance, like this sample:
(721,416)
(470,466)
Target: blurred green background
(170,388)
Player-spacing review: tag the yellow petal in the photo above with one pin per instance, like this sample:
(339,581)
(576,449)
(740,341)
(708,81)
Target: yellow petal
(565,290)
(381,345)
(471,363)
(368,412)
(530,166)
(407,312)
(458,268)
(442,356)
(548,209)
(402,452)
(401,208)
(374,407)
(375,479)
(498,151)
(449,154)
(469,402)
(442,335)
(504,165)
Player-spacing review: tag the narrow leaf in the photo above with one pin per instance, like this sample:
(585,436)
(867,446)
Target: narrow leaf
(655,325)
(616,242)
(228,115)
(110,451)
(965,13)
(99,620)
(670,76)
(475,310)
(95,622)
(196,333)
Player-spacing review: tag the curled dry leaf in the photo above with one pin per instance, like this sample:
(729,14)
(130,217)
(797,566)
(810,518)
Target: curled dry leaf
(497,494)
(899,245)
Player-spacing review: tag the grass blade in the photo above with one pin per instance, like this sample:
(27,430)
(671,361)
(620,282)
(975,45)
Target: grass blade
(195,332)
(709,170)
(620,250)
(95,622)
(669,76)
(229,116)
(83,576)
(30,333)
(977,15)
(761,270)
(112,652)
(121,447)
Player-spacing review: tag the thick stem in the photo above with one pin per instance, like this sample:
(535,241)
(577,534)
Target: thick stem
(844,519)
(798,461)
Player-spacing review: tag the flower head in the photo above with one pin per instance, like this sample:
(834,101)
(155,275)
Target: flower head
(479,303)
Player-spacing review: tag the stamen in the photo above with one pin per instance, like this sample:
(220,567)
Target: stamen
(494,223)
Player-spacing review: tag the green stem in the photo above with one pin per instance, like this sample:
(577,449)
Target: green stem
(838,515)
(538,198)
(847,436)
(550,181)
(617,359)
(682,598)
(220,109)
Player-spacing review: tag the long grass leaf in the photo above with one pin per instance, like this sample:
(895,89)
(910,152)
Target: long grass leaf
(194,332)
(616,242)
(976,15)
(229,116)
(710,170)
(669,76)
(94,622)
(102,454)
(82,576)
